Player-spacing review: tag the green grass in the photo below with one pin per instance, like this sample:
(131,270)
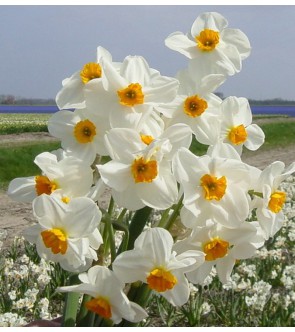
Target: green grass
(278,134)
(19,161)
(13,123)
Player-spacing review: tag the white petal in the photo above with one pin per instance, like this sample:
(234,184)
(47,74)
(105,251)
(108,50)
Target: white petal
(255,137)
(82,217)
(177,41)
(22,189)
(72,94)
(116,175)
(224,268)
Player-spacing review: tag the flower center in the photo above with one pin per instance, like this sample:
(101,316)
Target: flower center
(44,186)
(66,199)
(194,106)
(56,240)
(147,139)
(100,306)
(216,248)
(90,71)
(276,202)
(213,188)
(207,40)
(238,135)
(144,171)
(84,131)
(132,95)
(161,280)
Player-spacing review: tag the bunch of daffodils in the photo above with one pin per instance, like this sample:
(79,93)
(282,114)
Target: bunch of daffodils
(126,128)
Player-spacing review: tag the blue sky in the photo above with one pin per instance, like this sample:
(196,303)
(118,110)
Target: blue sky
(42,45)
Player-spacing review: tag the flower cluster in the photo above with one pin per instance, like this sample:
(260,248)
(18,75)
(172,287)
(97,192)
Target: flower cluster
(126,127)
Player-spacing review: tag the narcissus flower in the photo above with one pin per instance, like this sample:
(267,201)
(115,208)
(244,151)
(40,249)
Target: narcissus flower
(211,45)
(108,299)
(195,106)
(67,231)
(236,126)
(81,133)
(153,262)
(222,247)
(271,199)
(214,188)
(72,93)
(130,92)
(139,173)
(72,176)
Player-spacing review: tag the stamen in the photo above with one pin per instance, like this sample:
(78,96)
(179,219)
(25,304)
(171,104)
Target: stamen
(238,135)
(144,171)
(90,71)
(161,280)
(56,240)
(216,248)
(100,306)
(213,188)
(85,131)
(44,186)
(276,202)
(194,106)
(132,95)
(147,139)
(207,40)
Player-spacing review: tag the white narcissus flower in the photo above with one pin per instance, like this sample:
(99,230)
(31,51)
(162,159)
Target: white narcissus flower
(109,300)
(222,247)
(72,93)
(212,46)
(195,106)
(139,173)
(81,134)
(269,206)
(66,233)
(153,262)
(73,177)
(130,92)
(214,188)
(236,126)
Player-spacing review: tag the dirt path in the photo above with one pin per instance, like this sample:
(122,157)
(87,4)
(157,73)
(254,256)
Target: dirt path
(14,217)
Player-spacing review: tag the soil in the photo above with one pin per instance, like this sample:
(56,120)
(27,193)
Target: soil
(15,216)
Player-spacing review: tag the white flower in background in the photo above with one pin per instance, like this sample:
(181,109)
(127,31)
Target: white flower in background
(212,46)
(66,232)
(80,132)
(269,207)
(195,106)
(236,126)
(71,176)
(109,300)
(130,92)
(214,188)
(72,93)
(222,247)
(154,262)
(139,174)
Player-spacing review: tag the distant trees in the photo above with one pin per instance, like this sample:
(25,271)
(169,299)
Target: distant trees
(12,100)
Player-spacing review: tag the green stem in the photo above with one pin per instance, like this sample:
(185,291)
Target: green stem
(85,317)
(111,207)
(141,296)
(71,306)
(174,215)
(137,224)
(164,218)
(255,193)
(111,237)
